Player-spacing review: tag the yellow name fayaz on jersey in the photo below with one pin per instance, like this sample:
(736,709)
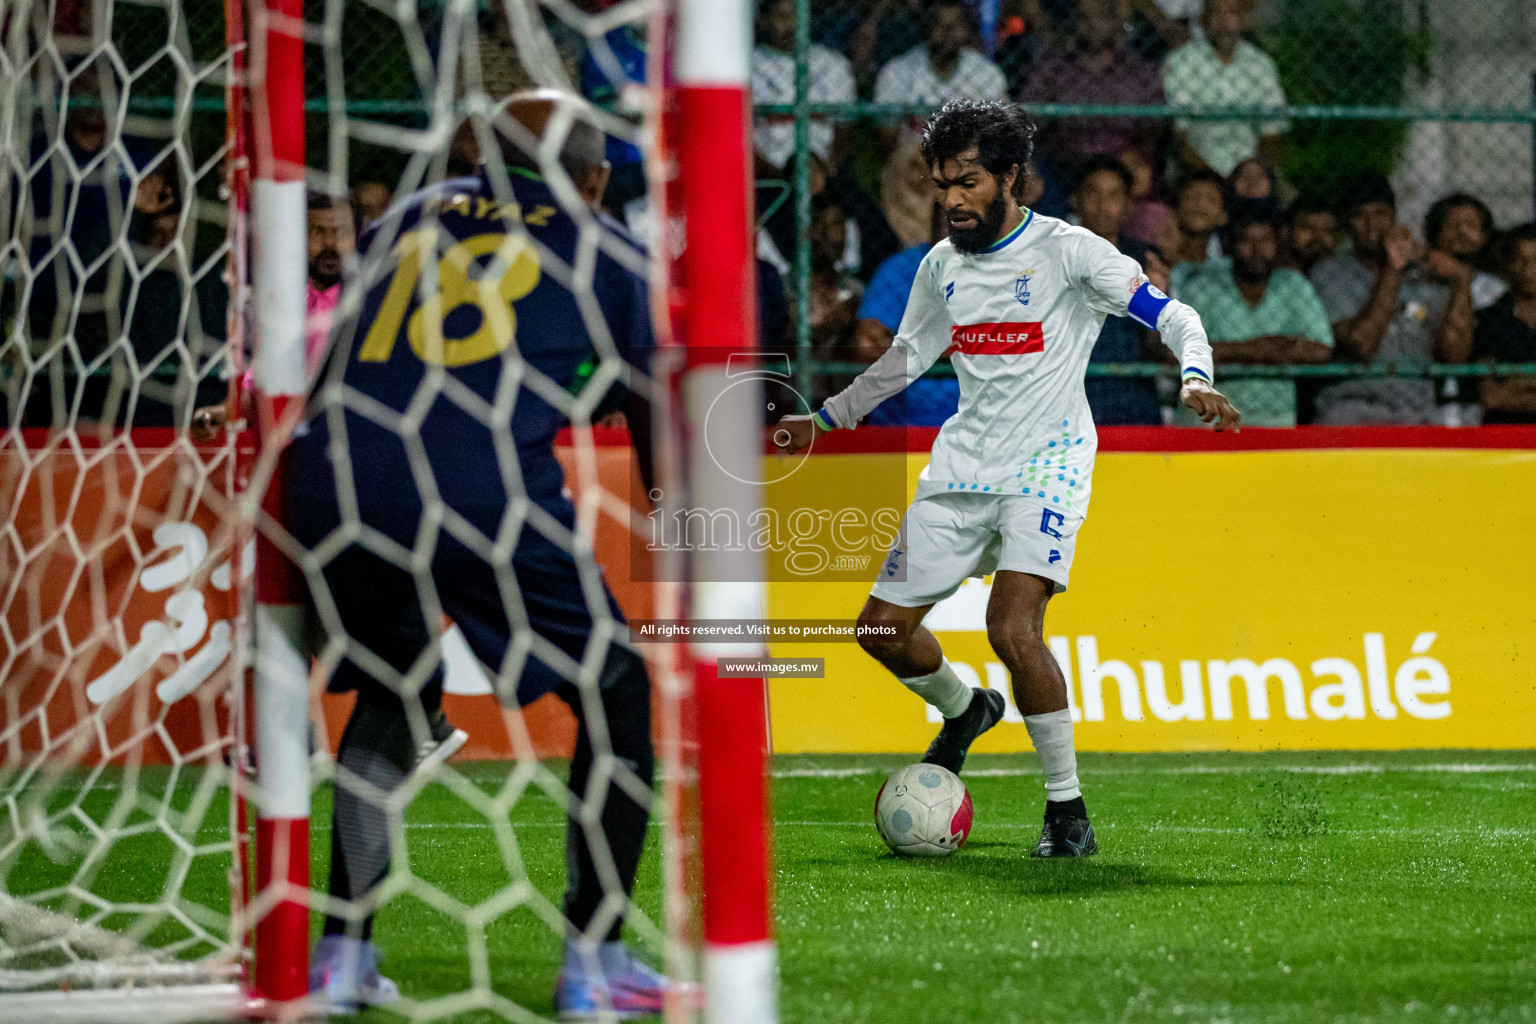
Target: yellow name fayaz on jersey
(461,279)
(484,208)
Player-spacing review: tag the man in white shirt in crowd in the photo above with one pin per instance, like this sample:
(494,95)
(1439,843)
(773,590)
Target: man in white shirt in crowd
(1018,299)
(773,81)
(1224,69)
(946,66)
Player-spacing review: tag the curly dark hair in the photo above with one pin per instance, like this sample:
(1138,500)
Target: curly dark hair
(1003,134)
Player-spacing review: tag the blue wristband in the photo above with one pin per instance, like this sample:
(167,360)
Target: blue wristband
(1195,373)
(823,420)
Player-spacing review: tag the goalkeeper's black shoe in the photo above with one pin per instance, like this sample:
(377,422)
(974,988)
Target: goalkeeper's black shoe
(949,748)
(1067,832)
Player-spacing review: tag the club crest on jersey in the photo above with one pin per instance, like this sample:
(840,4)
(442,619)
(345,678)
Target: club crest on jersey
(1021,287)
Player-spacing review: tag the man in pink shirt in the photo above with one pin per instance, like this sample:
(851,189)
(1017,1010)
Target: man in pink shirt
(331,241)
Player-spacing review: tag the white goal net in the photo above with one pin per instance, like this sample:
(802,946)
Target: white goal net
(119,702)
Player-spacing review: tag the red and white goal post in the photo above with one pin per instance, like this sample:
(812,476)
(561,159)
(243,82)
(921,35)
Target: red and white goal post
(148,612)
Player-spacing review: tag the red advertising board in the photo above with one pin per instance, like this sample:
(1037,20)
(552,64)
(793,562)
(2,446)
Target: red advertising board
(119,599)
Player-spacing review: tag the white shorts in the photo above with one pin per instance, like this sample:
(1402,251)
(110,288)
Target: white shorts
(948,537)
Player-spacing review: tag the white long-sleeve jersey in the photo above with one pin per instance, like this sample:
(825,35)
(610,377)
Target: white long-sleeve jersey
(1021,320)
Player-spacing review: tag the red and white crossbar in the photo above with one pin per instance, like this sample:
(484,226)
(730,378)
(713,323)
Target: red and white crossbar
(282,695)
(718,271)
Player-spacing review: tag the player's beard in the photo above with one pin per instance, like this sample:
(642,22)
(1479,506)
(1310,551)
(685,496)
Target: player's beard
(981,237)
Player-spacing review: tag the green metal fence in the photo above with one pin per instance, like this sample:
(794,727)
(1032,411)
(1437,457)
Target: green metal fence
(1436,94)
(1364,87)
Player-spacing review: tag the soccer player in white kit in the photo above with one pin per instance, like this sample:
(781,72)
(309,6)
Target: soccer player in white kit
(1018,298)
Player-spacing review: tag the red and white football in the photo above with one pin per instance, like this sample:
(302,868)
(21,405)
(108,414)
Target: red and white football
(923,810)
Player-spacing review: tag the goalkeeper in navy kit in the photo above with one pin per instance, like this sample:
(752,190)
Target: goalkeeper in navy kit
(426,485)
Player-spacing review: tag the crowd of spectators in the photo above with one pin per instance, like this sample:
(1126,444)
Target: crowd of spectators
(1279,278)
(124,305)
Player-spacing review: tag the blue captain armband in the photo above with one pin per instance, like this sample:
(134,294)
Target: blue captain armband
(1147,305)
(824,420)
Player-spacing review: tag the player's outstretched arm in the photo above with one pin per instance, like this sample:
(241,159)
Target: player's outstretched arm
(922,338)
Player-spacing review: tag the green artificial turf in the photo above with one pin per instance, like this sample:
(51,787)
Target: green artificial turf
(1280,887)
(1225,890)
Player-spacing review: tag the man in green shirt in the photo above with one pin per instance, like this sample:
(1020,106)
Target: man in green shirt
(1258,313)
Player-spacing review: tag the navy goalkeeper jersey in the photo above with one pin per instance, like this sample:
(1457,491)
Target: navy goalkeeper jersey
(509,318)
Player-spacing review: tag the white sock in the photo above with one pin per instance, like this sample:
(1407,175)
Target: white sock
(1051,734)
(943,689)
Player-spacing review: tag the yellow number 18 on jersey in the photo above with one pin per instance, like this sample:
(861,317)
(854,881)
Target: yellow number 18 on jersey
(511,273)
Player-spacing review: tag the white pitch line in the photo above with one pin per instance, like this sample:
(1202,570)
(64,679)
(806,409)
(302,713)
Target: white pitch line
(1301,769)
(1193,769)
(1387,832)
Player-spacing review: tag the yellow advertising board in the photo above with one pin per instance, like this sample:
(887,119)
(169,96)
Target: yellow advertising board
(1240,600)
